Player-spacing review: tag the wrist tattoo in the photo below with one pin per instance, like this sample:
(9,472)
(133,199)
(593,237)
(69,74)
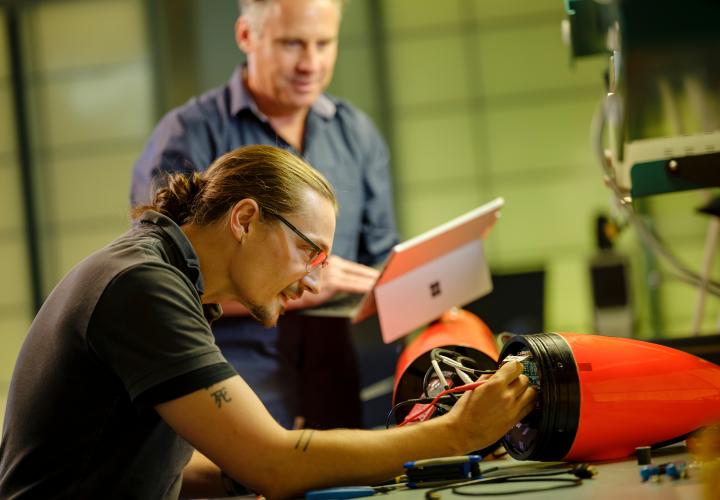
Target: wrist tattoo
(220,396)
(304,439)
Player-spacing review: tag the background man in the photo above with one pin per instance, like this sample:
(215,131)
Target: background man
(277,98)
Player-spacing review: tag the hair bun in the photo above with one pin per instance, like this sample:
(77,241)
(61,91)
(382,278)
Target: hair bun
(177,198)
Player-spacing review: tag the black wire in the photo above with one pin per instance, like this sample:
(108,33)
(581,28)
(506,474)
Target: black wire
(407,402)
(546,476)
(399,405)
(573,483)
(403,403)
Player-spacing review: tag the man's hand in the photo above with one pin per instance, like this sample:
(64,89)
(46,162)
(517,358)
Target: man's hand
(342,275)
(486,413)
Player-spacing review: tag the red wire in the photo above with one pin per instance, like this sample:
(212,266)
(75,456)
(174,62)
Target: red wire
(460,388)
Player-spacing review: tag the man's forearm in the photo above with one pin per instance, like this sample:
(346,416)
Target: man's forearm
(238,434)
(202,479)
(351,457)
(312,458)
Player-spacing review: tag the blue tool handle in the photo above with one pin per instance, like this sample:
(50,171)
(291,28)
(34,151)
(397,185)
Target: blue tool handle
(340,493)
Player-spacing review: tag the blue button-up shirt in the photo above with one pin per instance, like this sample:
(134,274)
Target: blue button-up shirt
(340,141)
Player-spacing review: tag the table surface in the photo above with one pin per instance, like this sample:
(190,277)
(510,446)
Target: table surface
(615,480)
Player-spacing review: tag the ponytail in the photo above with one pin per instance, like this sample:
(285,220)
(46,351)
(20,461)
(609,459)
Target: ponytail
(177,199)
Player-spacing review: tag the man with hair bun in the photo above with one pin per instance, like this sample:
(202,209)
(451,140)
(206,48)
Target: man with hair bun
(119,380)
(278,98)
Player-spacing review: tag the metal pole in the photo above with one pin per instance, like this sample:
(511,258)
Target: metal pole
(24,153)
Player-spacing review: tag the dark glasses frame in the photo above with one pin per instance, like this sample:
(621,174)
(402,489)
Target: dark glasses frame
(319,260)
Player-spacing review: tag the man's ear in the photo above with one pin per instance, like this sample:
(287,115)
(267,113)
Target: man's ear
(242,214)
(243,34)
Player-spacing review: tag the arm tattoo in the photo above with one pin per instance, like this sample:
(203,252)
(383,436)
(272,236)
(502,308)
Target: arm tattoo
(305,435)
(220,396)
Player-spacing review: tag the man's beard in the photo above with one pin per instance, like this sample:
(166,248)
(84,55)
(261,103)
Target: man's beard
(263,315)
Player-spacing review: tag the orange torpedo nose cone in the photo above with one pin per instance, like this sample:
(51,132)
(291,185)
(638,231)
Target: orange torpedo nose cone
(601,397)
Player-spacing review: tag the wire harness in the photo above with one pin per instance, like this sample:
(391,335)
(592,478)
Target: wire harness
(450,374)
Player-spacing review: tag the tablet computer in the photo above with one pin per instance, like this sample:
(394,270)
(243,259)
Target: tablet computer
(425,276)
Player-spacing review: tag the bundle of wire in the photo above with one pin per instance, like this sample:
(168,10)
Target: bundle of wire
(423,412)
(440,392)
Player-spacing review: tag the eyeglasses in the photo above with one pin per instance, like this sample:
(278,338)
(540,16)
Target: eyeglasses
(319,256)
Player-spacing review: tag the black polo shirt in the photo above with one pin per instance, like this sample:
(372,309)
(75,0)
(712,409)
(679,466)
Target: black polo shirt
(123,331)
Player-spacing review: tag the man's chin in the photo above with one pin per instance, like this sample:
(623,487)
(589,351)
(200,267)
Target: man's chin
(302,99)
(266,317)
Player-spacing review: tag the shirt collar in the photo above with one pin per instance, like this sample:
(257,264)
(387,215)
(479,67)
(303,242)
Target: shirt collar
(183,245)
(240,99)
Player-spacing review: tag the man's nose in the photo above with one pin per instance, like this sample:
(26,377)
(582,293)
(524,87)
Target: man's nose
(310,58)
(312,281)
